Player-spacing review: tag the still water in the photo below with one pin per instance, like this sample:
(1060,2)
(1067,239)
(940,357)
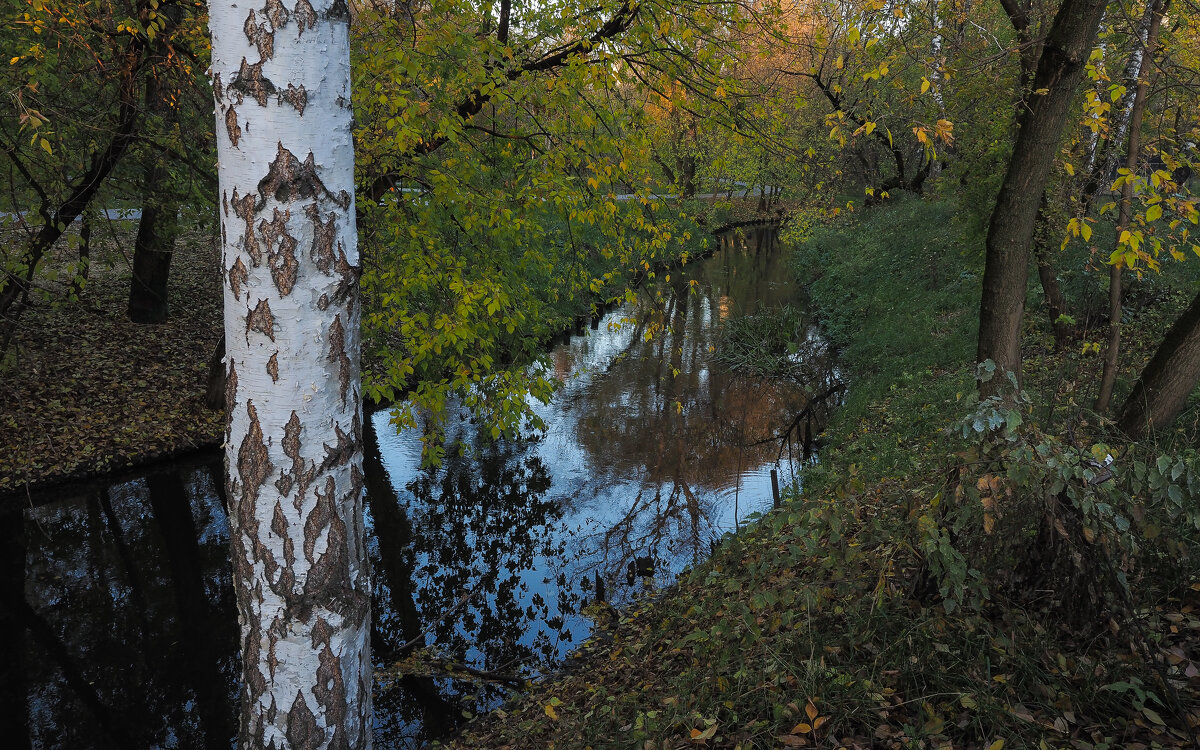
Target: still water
(117,609)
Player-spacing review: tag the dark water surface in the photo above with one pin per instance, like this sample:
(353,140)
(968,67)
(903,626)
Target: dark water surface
(117,612)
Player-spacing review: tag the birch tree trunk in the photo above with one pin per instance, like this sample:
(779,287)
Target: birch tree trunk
(281,81)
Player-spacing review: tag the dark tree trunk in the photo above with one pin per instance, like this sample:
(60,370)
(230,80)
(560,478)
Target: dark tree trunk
(687,176)
(155,243)
(1056,304)
(214,394)
(1010,233)
(1167,380)
(152,251)
(85,256)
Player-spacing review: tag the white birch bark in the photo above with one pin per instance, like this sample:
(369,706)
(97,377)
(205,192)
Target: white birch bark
(281,81)
(1133,69)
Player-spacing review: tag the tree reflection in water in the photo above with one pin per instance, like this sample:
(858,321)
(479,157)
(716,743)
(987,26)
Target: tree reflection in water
(116,607)
(124,631)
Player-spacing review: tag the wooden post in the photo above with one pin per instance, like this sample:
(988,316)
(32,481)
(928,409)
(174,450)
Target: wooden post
(775,487)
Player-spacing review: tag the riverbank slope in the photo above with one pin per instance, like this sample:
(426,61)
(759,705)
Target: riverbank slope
(955,574)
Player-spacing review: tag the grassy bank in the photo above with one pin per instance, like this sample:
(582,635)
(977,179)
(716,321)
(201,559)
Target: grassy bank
(955,574)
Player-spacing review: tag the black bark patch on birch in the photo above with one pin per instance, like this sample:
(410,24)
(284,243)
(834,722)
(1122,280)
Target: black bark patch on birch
(252,676)
(306,17)
(323,236)
(230,391)
(238,275)
(260,36)
(273,369)
(273,634)
(231,126)
(338,356)
(250,27)
(281,251)
(291,448)
(338,11)
(250,80)
(323,303)
(303,732)
(244,208)
(279,525)
(330,687)
(348,277)
(321,516)
(340,454)
(253,464)
(296,96)
(329,579)
(276,14)
(289,179)
(260,319)
(218,88)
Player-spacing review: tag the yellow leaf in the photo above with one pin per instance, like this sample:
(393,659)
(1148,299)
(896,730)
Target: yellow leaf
(707,734)
(46,147)
(1086,230)
(1070,169)
(997,745)
(1154,212)
(551,712)
(925,85)
(810,710)
(817,722)
(1089,535)
(802,728)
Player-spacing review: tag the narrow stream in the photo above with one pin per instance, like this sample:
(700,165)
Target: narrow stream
(116,598)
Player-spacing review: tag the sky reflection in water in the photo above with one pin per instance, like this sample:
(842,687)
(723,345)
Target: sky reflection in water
(119,601)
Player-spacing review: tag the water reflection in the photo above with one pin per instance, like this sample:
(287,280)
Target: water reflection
(116,604)
(123,630)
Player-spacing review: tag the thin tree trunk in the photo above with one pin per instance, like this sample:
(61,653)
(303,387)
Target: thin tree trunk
(1112,351)
(281,81)
(1010,232)
(85,256)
